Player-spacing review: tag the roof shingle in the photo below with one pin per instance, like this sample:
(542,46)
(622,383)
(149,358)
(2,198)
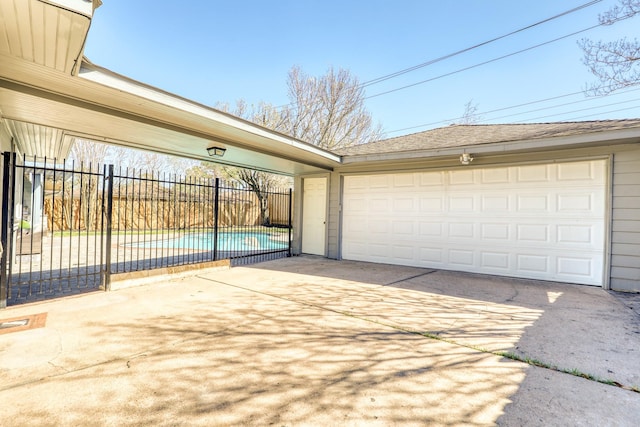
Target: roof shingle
(465,135)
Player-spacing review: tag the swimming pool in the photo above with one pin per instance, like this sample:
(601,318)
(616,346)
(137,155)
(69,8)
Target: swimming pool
(245,241)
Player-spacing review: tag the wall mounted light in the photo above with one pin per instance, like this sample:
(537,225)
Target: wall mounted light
(466,158)
(216,151)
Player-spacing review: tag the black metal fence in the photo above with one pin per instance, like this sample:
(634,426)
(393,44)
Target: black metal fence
(67,228)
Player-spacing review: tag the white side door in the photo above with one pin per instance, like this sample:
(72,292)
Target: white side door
(314,215)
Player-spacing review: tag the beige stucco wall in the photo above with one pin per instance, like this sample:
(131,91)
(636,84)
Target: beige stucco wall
(624,210)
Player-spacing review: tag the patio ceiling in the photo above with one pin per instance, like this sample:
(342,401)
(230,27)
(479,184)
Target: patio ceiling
(44,105)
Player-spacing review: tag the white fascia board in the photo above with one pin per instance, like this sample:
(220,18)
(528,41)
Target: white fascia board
(604,137)
(156,95)
(83,7)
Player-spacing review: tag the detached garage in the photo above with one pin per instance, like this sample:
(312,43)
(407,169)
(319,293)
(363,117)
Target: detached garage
(553,201)
(537,221)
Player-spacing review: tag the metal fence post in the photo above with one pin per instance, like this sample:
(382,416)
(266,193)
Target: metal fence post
(4,229)
(216,205)
(109,214)
(290,222)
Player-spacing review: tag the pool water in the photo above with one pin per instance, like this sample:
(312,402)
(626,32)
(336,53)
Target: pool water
(226,242)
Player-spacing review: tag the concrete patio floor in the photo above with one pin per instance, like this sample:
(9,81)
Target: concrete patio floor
(311,341)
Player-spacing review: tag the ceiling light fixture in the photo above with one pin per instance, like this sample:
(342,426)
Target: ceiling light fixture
(216,151)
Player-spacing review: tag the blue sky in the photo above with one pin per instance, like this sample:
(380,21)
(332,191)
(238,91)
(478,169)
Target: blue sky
(222,51)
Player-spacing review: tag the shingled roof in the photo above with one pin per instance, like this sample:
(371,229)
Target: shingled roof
(466,135)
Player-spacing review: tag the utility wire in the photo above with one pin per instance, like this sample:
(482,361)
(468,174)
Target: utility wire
(486,112)
(563,105)
(584,109)
(459,52)
(478,45)
(483,63)
(602,112)
(524,104)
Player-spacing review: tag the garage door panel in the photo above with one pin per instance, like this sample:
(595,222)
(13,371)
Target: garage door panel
(379,205)
(576,234)
(495,232)
(403,180)
(430,229)
(379,227)
(575,266)
(535,221)
(581,171)
(402,229)
(532,173)
(576,203)
(538,202)
(496,203)
(495,176)
(356,204)
(461,257)
(432,205)
(496,261)
(461,204)
(461,230)
(402,204)
(533,264)
(431,256)
(464,177)
(405,253)
(430,179)
(532,233)
(380,181)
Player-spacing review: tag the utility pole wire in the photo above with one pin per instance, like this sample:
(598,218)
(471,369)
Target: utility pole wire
(459,52)
(524,104)
(483,63)
(433,61)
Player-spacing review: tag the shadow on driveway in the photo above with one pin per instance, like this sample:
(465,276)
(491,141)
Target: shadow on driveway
(309,341)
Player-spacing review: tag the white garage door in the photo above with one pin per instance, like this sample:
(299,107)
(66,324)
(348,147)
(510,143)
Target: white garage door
(536,221)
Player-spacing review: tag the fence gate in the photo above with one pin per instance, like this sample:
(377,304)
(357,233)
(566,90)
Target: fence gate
(52,229)
(67,228)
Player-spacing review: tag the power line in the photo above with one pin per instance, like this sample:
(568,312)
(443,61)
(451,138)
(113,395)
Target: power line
(603,112)
(486,112)
(483,63)
(565,104)
(459,52)
(583,109)
(524,104)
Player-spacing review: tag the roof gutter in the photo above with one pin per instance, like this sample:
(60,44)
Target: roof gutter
(99,75)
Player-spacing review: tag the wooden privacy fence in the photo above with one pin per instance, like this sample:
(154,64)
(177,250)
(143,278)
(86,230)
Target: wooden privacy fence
(139,214)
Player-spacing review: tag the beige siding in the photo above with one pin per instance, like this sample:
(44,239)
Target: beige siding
(625,236)
(296,243)
(333,223)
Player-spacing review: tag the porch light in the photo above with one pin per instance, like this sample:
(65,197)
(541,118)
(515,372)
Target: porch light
(216,151)
(466,158)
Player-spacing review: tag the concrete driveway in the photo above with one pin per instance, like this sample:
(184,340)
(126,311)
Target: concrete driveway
(310,341)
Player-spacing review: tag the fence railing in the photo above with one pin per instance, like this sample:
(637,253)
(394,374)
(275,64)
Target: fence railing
(68,227)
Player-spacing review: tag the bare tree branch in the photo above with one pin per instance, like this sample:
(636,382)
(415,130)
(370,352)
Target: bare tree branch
(329,111)
(615,64)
